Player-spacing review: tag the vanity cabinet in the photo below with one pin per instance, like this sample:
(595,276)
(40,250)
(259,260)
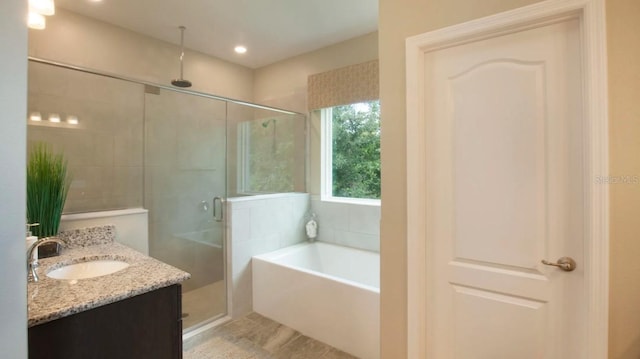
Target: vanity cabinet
(148,325)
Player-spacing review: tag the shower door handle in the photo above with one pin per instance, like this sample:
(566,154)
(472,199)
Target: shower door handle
(218,215)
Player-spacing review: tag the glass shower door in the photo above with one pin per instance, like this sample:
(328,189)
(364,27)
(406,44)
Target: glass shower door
(185,169)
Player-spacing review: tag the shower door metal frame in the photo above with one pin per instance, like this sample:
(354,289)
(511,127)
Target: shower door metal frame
(161,86)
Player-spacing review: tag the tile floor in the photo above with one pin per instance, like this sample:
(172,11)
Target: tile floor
(257,337)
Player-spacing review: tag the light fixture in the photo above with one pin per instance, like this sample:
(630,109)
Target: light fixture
(240,49)
(54,117)
(38,9)
(35,116)
(42,7)
(72,120)
(36,21)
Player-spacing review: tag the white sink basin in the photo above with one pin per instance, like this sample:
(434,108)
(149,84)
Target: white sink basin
(89,269)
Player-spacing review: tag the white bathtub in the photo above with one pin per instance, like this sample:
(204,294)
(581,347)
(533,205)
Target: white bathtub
(328,292)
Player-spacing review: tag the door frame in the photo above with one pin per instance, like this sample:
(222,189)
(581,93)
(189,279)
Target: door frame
(591,14)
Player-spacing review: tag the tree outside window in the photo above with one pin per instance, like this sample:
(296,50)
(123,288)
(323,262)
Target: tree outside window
(356,150)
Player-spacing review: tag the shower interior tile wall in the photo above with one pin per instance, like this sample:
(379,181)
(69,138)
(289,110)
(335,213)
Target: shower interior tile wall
(257,225)
(348,224)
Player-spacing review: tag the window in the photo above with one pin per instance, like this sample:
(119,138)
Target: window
(351,151)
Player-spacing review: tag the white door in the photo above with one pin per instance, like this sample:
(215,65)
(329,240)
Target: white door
(505,187)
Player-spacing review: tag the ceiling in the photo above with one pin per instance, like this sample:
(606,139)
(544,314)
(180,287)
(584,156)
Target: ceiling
(272,30)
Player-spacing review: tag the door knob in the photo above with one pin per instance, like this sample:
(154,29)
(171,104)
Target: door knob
(567,264)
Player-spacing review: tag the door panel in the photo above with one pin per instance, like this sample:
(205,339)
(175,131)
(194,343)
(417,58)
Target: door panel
(506,171)
(504,182)
(482,316)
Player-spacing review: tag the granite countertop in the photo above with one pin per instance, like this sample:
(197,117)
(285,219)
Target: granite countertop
(50,299)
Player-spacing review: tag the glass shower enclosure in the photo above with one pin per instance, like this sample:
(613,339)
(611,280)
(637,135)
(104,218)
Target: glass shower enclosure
(185,169)
(179,154)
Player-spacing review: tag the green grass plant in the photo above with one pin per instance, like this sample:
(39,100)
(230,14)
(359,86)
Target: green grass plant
(47,188)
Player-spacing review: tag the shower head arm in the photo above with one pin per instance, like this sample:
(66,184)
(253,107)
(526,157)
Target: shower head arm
(181,82)
(182,28)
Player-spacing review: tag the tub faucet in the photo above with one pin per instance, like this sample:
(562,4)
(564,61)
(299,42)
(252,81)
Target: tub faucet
(32,257)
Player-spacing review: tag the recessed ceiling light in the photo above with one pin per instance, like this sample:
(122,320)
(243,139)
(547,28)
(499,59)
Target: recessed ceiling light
(240,49)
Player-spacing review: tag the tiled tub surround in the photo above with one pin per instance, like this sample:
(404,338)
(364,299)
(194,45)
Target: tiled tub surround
(50,299)
(349,224)
(257,225)
(330,293)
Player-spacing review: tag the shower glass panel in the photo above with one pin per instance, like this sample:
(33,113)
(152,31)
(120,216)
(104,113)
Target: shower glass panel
(268,155)
(185,168)
(99,124)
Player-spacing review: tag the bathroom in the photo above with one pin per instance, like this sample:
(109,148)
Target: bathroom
(191,177)
(398,19)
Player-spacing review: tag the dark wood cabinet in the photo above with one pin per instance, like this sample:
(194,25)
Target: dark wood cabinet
(145,326)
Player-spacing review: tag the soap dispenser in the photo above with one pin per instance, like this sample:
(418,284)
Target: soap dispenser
(311,227)
(31,239)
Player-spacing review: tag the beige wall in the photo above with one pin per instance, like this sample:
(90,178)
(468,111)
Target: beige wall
(402,18)
(284,84)
(623,26)
(78,40)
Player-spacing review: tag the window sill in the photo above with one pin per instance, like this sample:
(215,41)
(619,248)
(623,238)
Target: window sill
(346,200)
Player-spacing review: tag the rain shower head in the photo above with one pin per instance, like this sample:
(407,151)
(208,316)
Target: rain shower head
(181,82)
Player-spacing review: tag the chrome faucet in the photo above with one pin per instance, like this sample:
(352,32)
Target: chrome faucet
(32,257)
